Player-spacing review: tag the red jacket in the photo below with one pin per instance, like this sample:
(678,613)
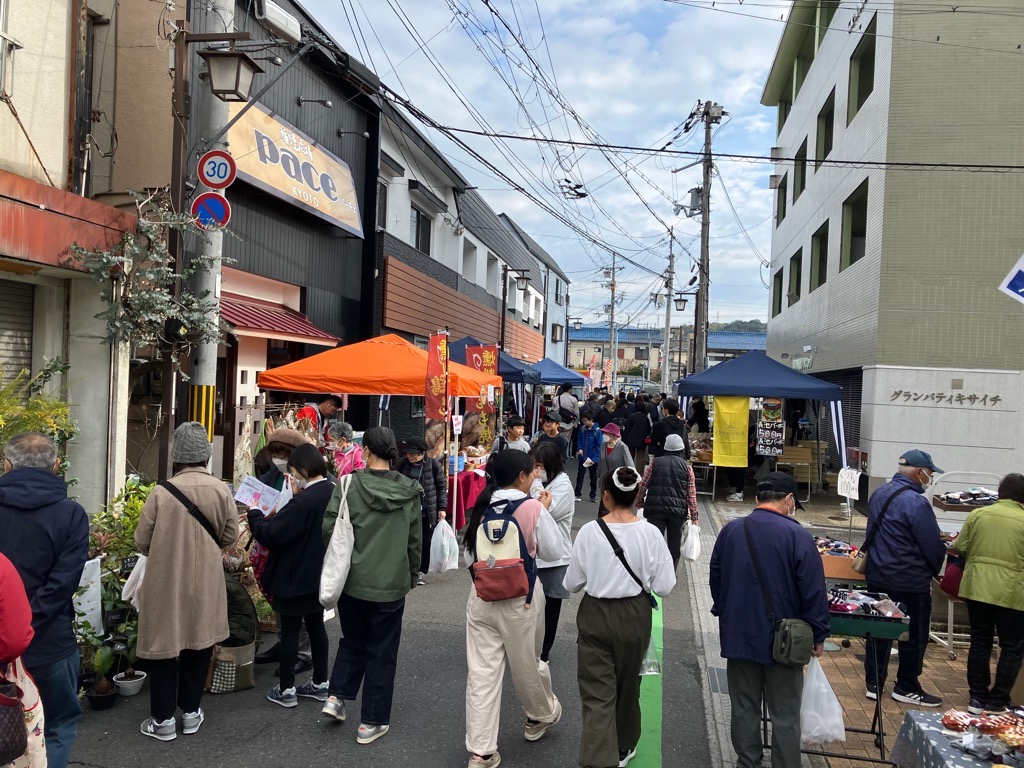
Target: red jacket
(15,614)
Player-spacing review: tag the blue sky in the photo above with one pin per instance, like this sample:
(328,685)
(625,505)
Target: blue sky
(632,71)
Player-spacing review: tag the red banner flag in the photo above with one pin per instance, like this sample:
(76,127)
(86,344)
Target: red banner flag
(436,406)
(483,358)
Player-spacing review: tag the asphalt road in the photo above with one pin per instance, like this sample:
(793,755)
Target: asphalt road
(428,719)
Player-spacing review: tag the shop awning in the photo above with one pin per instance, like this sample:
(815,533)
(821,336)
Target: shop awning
(252,317)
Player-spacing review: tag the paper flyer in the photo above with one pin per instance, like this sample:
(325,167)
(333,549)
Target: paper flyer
(255,495)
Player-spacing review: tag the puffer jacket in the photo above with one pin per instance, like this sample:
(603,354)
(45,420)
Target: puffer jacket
(992,540)
(907,551)
(427,473)
(668,489)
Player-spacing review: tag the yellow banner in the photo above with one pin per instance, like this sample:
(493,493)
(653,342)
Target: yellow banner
(732,415)
(278,158)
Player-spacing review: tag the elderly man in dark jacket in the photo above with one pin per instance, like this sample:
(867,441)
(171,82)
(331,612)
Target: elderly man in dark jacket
(429,474)
(795,582)
(46,536)
(669,424)
(904,556)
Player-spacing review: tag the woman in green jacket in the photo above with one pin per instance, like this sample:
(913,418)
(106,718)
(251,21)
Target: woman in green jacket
(384,507)
(992,541)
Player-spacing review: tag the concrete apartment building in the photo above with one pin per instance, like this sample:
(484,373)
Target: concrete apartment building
(885,278)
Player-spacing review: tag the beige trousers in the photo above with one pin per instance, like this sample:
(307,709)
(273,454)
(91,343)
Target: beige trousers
(495,632)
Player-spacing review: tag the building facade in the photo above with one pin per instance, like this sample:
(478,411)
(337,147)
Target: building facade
(884,271)
(725,345)
(635,347)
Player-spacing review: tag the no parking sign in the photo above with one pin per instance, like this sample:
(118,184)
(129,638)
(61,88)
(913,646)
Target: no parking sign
(211,211)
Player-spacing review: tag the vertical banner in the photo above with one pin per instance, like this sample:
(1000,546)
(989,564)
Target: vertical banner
(606,379)
(483,358)
(771,432)
(732,415)
(436,405)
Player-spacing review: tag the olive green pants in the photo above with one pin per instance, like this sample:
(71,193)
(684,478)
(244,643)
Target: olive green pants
(781,687)
(612,642)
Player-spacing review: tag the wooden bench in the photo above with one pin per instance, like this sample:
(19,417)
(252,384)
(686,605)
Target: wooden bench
(798,456)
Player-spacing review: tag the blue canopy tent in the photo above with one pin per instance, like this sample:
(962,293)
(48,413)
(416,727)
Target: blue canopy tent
(754,374)
(517,374)
(553,373)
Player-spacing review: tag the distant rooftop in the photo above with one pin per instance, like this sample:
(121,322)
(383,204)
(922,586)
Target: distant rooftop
(625,334)
(737,340)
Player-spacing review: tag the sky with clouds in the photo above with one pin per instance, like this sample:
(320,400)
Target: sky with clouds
(624,72)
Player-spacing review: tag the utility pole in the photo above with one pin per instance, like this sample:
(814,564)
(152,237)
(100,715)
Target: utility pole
(613,342)
(712,114)
(668,311)
(202,391)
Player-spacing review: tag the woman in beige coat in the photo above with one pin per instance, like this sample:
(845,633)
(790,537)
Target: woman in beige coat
(183,603)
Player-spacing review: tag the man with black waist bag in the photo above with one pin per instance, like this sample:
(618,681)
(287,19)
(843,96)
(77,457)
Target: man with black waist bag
(766,576)
(905,552)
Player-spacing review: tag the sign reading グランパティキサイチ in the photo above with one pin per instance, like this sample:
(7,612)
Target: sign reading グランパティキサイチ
(278,158)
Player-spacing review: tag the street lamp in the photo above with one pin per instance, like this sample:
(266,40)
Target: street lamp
(577,322)
(231,71)
(522,283)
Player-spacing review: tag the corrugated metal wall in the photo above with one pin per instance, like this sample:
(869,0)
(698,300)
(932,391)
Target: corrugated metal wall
(15,328)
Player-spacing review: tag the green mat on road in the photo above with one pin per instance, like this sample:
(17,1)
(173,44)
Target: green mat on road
(648,751)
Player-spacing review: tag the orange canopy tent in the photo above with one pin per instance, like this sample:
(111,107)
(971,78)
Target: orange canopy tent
(386,365)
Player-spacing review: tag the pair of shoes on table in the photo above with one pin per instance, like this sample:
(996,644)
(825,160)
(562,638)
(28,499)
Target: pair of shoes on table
(485,761)
(334,708)
(367,734)
(421,580)
(625,756)
(917,698)
(535,729)
(982,707)
(734,497)
(302,665)
(166,730)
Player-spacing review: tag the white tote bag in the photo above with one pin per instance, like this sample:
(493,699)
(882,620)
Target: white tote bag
(338,558)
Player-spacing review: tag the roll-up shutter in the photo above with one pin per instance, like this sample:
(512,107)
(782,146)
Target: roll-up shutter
(15,328)
(851,381)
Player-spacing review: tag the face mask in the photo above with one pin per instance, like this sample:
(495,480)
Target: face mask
(281,464)
(301,482)
(543,476)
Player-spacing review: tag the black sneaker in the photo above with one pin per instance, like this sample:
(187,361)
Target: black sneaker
(625,755)
(916,698)
(269,656)
(976,707)
(995,709)
(871,692)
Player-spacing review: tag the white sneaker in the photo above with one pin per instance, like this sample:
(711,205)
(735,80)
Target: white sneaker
(734,497)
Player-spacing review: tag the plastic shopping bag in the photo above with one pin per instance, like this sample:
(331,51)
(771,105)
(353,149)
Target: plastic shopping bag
(651,664)
(133,584)
(444,549)
(821,714)
(691,545)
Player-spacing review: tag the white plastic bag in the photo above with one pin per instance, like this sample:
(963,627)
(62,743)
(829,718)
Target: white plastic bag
(691,545)
(133,583)
(444,549)
(821,714)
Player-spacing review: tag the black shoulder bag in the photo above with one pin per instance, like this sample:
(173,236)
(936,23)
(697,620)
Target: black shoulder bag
(860,560)
(793,638)
(192,509)
(622,559)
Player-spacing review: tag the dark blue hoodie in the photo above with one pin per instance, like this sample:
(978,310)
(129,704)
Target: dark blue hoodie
(46,536)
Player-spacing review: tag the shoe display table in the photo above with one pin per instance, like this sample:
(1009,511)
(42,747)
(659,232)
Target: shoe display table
(921,743)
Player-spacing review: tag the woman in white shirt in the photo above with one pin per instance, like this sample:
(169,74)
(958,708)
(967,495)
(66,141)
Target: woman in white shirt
(614,619)
(549,475)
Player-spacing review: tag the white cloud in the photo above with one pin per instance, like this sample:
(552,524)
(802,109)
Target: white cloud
(633,70)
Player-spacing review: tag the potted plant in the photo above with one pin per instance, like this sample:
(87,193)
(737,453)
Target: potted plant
(130,681)
(102,694)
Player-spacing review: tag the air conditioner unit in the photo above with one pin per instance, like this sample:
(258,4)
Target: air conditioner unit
(279,21)
(773,181)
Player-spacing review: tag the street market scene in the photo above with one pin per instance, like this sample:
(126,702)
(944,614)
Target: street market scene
(505,383)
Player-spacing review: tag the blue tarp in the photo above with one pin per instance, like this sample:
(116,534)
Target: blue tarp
(510,369)
(754,374)
(553,373)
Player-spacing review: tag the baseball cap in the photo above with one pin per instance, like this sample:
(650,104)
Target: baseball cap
(674,443)
(550,416)
(415,445)
(780,482)
(918,458)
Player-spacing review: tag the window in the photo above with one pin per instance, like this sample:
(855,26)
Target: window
(777,293)
(862,72)
(419,230)
(641,353)
(796,273)
(785,105)
(382,204)
(826,11)
(493,275)
(780,201)
(557,332)
(855,226)
(8,47)
(800,171)
(469,261)
(559,290)
(826,129)
(819,257)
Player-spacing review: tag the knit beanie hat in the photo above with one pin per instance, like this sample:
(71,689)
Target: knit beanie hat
(191,444)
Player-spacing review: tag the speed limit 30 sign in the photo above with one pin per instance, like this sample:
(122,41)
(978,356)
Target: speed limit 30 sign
(217,169)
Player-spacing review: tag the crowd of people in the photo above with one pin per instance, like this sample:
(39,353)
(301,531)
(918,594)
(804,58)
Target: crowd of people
(523,564)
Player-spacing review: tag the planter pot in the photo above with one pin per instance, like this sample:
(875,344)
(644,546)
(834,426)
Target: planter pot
(129,687)
(101,701)
(267,625)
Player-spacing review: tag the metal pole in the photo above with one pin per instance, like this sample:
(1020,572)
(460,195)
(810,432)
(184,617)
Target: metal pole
(611,330)
(701,324)
(668,311)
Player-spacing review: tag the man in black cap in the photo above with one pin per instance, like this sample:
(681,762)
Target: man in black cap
(415,464)
(905,552)
(794,581)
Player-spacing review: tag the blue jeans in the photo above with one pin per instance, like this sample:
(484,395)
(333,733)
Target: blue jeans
(58,690)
